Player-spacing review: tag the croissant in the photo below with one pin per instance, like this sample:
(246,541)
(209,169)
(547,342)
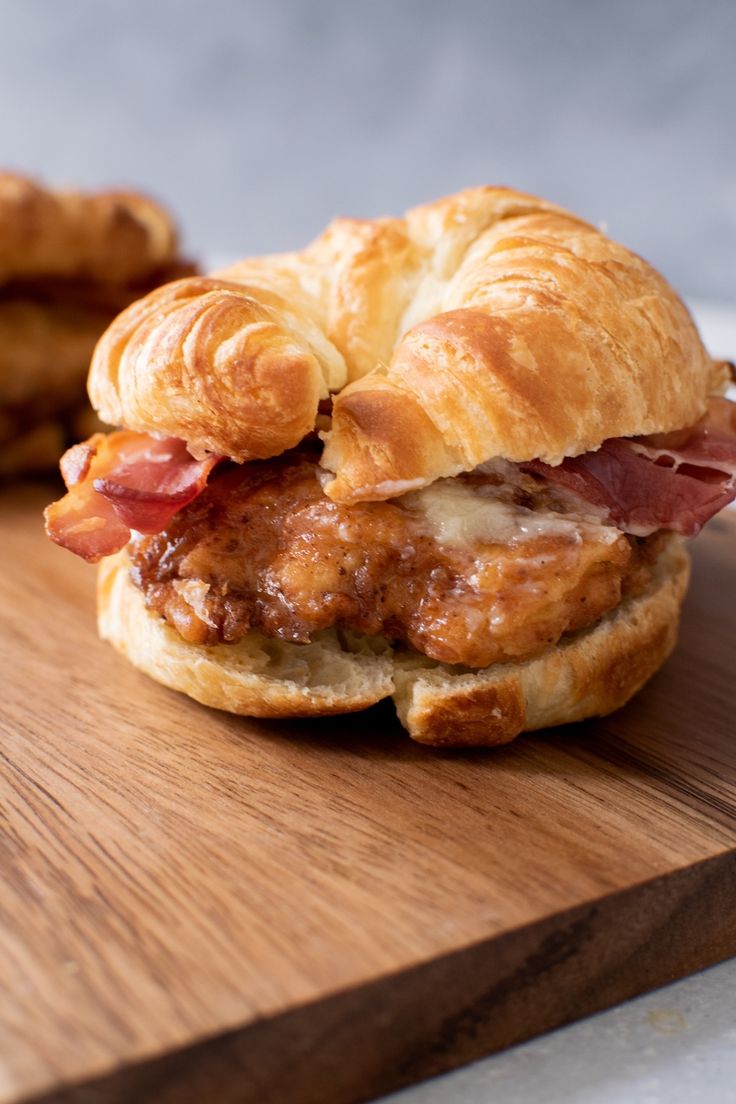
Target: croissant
(486,324)
(542,340)
(229,368)
(236,364)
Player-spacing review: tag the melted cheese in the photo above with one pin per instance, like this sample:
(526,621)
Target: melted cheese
(462,514)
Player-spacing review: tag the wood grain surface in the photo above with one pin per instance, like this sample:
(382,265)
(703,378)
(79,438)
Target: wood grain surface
(197,907)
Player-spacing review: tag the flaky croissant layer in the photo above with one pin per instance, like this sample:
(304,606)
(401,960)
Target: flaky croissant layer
(487,324)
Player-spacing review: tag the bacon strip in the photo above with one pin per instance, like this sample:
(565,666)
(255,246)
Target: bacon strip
(125,480)
(118,482)
(673,481)
(710,444)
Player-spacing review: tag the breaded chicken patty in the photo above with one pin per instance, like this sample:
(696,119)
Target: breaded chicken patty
(489,567)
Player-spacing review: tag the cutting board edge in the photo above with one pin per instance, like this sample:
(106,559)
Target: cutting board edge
(493,994)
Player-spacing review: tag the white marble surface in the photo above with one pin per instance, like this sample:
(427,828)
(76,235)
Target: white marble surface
(674,1046)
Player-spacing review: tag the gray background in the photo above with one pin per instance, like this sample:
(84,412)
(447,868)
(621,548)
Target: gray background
(259,121)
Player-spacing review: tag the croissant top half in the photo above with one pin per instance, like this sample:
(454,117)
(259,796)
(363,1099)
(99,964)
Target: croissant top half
(489,323)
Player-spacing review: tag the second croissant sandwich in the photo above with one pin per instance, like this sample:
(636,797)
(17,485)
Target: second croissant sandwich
(70,261)
(448,458)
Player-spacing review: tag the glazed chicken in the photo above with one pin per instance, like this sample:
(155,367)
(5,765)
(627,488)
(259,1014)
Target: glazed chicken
(492,566)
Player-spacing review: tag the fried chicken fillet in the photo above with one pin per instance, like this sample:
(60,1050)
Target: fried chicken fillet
(489,568)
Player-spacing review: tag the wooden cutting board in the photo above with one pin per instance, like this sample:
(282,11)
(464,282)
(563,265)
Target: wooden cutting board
(196,907)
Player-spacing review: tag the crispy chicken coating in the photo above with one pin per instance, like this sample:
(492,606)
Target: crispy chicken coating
(264,548)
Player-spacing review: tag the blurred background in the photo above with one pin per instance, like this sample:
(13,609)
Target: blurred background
(257,122)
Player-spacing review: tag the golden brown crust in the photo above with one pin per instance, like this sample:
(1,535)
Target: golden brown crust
(489,323)
(590,673)
(545,339)
(236,364)
(230,369)
(113,236)
(354,282)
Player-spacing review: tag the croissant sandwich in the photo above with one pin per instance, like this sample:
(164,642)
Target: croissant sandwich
(448,458)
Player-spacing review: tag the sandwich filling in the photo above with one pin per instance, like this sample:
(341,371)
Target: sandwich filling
(474,570)
(491,566)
